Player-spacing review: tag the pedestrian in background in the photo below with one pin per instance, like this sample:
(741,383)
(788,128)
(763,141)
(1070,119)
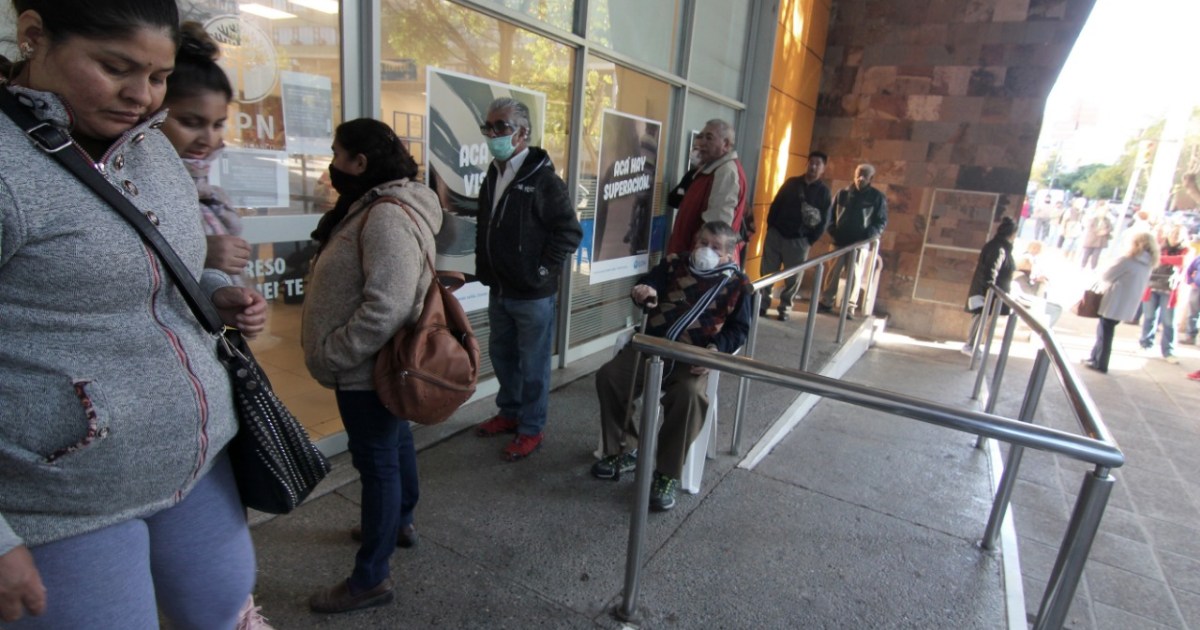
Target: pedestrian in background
(1122,285)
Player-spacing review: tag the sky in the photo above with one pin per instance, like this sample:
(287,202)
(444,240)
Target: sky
(1132,59)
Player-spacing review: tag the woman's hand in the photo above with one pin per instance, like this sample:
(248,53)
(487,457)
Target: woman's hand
(21,588)
(228,253)
(244,309)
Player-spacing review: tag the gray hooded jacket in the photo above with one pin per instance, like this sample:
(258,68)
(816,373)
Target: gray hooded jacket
(112,402)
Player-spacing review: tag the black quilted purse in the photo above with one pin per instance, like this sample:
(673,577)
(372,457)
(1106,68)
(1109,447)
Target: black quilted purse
(274,461)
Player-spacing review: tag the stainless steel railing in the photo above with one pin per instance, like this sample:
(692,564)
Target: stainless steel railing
(1096,448)
(810,325)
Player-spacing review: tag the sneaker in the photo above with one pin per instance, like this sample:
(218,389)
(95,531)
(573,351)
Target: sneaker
(339,599)
(662,492)
(249,617)
(783,315)
(496,425)
(762,312)
(1195,376)
(1172,359)
(612,466)
(966,349)
(824,308)
(522,446)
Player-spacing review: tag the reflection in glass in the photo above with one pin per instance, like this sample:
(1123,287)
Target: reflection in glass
(646,31)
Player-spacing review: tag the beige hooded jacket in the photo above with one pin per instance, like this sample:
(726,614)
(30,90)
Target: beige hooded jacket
(368,281)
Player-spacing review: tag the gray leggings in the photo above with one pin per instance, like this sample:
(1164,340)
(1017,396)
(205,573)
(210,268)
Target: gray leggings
(194,561)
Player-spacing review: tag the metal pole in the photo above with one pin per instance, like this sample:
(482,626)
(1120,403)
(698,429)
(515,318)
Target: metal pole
(1033,394)
(988,301)
(1072,554)
(1010,330)
(647,444)
(988,323)
(845,308)
(743,382)
(810,326)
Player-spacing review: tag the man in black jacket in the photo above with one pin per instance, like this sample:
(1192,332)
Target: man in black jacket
(526,229)
(798,217)
(859,213)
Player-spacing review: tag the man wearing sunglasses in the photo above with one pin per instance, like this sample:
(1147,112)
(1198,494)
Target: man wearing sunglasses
(526,229)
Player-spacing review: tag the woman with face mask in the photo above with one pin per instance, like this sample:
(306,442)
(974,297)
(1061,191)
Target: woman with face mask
(118,503)
(368,280)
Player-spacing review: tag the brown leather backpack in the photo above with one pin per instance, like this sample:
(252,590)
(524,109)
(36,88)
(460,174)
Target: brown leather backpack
(429,368)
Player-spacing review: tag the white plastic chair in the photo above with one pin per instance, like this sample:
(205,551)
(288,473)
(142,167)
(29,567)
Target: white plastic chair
(693,465)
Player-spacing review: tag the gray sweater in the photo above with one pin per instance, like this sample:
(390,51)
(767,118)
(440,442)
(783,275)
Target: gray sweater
(368,281)
(112,402)
(1123,284)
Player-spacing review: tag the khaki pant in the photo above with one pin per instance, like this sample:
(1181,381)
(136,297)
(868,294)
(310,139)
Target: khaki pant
(684,407)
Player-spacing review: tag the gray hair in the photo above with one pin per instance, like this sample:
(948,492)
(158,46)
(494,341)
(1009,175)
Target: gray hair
(520,111)
(723,128)
(724,233)
(869,168)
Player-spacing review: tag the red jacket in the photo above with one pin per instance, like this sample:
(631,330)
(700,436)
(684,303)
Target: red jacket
(695,204)
(1176,261)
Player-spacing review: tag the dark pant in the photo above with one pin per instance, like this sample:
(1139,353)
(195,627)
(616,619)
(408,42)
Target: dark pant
(1105,328)
(381,448)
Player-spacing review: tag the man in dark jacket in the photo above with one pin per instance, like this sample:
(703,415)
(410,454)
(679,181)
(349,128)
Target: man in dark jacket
(859,213)
(526,229)
(700,298)
(799,215)
(996,265)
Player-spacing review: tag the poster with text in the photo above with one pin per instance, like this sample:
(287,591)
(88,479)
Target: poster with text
(457,158)
(624,196)
(253,178)
(307,113)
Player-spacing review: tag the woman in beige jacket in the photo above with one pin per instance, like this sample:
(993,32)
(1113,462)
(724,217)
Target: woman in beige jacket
(368,281)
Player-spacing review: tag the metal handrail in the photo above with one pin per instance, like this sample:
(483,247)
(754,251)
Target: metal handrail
(1087,449)
(1099,450)
(1086,412)
(771,279)
(810,324)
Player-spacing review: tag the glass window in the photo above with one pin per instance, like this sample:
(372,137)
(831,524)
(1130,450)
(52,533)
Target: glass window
(700,110)
(285,67)
(557,13)
(646,31)
(719,45)
(443,63)
(634,102)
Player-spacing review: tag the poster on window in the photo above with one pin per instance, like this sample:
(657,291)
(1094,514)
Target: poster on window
(624,196)
(307,113)
(457,158)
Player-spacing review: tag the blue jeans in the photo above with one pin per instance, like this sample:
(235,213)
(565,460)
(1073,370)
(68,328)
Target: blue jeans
(522,336)
(381,448)
(193,561)
(1155,312)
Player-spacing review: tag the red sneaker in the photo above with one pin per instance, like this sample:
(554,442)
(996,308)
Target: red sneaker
(522,446)
(1195,376)
(496,425)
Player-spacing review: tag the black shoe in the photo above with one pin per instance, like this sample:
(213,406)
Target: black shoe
(662,492)
(762,312)
(783,315)
(612,466)
(824,308)
(406,539)
(337,598)
(1091,365)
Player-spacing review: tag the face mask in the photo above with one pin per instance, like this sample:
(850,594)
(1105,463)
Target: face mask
(705,258)
(502,147)
(342,181)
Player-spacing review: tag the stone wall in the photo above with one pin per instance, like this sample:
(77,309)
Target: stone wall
(945,98)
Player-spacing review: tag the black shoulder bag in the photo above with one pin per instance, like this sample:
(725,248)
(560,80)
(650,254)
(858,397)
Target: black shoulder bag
(274,461)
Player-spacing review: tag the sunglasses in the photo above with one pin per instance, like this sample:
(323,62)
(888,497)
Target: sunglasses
(499,128)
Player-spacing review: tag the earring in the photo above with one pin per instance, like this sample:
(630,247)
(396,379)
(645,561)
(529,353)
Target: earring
(26,51)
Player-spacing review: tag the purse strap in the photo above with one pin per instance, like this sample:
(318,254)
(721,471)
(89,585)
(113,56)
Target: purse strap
(58,144)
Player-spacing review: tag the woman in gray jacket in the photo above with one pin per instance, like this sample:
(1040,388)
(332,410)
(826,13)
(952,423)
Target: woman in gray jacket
(368,280)
(1122,285)
(117,501)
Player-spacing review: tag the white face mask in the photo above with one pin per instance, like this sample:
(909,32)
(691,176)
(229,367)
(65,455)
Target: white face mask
(705,258)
